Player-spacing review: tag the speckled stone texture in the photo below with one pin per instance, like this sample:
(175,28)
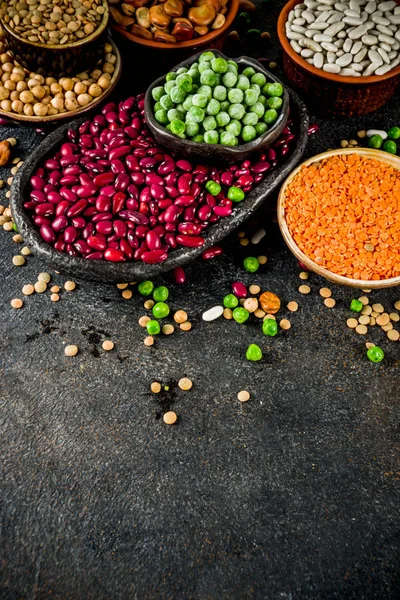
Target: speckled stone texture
(293,495)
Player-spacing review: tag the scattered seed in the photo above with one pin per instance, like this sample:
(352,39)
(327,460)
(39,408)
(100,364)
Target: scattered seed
(325,292)
(243,396)
(361,329)
(387,327)
(369,345)
(374,314)
(180,316)
(244,241)
(259,313)
(168,329)
(148,341)
(352,323)
(54,297)
(251,304)
(228,314)
(272,65)
(40,287)
(285,324)
(292,306)
(69,286)
(8,225)
(71,350)
(269,316)
(254,290)
(185,383)
(362,133)
(329,302)
(262,259)
(304,289)
(127,294)
(304,275)
(170,418)
(144,320)
(17,303)
(45,277)
(186,326)
(378,308)
(393,335)
(397,305)
(213,313)
(344,143)
(26,251)
(155,387)
(258,236)
(372,321)
(149,304)
(107,345)
(367,310)
(122,286)
(364,300)
(383,319)
(394,317)
(17,238)
(241,234)
(55,289)
(364,320)
(28,289)
(18,260)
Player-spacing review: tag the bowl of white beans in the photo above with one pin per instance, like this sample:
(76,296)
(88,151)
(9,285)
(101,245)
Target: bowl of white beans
(342,55)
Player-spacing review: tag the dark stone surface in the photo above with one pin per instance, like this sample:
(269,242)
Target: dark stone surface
(293,495)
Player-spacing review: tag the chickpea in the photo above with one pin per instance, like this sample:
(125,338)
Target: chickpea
(71,104)
(82,76)
(84,99)
(104,82)
(8,67)
(70,94)
(80,88)
(32,82)
(5,77)
(46,100)
(55,88)
(67,85)
(96,74)
(28,110)
(39,78)
(5,105)
(9,85)
(14,95)
(75,79)
(110,58)
(16,77)
(57,102)
(108,67)
(95,90)
(108,48)
(38,92)
(21,86)
(4,93)
(17,106)
(19,71)
(27,97)
(4,58)
(52,111)
(50,80)
(46,89)
(40,109)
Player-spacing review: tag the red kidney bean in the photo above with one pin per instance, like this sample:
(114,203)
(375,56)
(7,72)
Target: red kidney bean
(120,228)
(261,167)
(62,208)
(95,256)
(212,252)
(172,213)
(132,204)
(134,216)
(189,228)
(30,205)
(204,212)
(245,180)
(211,200)
(166,167)
(153,240)
(200,178)
(38,196)
(77,208)
(126,249)
(141,231)
(85,191)
(82,247)
(68,194)
(239,289)
(195,190)
(154,179)
(101,217)
(78,222)
(191,241)
(52,164)
(55,177)
(60,246)
(184,165)
(122,182)
(114,255)
(96,243)
(88,230)
(137,178)
(59,223)
(170,240)
(132,240)
(103,204)
(39,221)
(185,201)
(143,208)
(184,183)
(118,202)
(103,179)
(47,234)
(119,152)
(104,227)
(117,141)
(117,166)
(45,209)
(313,129)
(171,178)
(154,256)
(189,213)
(164,203)
(37,182)
(179,275)
(90,211)
(222,211)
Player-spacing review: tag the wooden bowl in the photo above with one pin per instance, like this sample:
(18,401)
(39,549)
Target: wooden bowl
(216,152)
(329,94)
(190,46)
(102,270)
(58,59)
(384,157)
(72,114)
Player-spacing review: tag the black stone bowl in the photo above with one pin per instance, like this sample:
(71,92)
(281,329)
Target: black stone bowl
(216,152)
(110,272)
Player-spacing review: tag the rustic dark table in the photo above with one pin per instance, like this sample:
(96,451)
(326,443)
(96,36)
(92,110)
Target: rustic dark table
(293,495)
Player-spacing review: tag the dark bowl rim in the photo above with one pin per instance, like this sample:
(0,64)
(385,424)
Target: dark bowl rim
(193,147)
(136,270)
(351,81)
(90,38)
(193,43)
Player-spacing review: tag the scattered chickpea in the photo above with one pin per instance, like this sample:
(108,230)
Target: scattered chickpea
(122,286)
(251,304)
(18,260)
(254,290)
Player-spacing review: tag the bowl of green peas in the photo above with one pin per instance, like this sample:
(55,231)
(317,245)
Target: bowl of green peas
(216,108)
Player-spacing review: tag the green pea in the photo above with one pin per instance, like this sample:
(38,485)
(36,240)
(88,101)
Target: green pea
(235,194)
(220,93)
(232,69)
(195,114)
(153,327)
(394,133)
(194,73)
(191,128)
(213,187)
(145,287)
(375,354)
(240,314)
(236,111)
(234,127)
(233,64)
(184,82)
(243,83)
(211,137)
(160,310)
(273,89)
(251,264)
(235,96)
(208,78)
(174,115)
(219,65)
(230,301)
(274,102)
(161,116)
(356,305)
(259,109)
(166,102)
(204,66)
(206,56)
(160,293)
(199,138)
(249,72)
(169,86)
(195,87)
(15,228)
(181,71)
(188,102)
(171,76)
(254,352)
(206,90)
(213,107)
(228,139)
(375,141)
(179,107)
(209,123)
(222,118)
(256,88)
(261,128)
(244,20)
(157,92)
(157,106)
(199,100)
(259,79)
(225,105)
(177,95)
(177,127)
(229,79)
(250,118)
(390,146)
(248,133)
(270,116)
(270,327)
(218,78)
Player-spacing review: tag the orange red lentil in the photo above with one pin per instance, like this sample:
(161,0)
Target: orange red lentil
(336,207)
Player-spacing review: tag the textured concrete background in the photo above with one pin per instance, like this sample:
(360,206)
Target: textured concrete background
(293,495)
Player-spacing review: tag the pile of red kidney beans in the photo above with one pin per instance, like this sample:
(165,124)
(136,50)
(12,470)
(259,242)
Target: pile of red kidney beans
(111,192)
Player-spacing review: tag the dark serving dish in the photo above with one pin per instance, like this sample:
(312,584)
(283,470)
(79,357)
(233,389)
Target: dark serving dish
(109,272)
(216,151)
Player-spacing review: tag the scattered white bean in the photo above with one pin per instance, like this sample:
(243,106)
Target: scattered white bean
(213,313)
(257,236)
(372,132)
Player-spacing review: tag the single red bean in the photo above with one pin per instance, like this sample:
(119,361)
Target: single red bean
(78,222)
(153,240)
(162,204)
(104,227)
(222,211)
(185,201)
(71,250)
(179,275)
(170,240)
(85,191)
(54,178)
(104,179)
(157,191)
(117,141)
(30,205)
(313,129)
(154,179)
(70,159)
(52,164)
(62,208)
(122,182)
(47,234)
(68,148)
(189,213)
(103,203)
(101,217)
(131,132)
(60,246)
(141,231)
(245,180)
(38,196)
(77,208)
(166,167)
(59,223)
(114,255)
(82,247)
(39,221)
(94,256)
(200,178)
(212,252)
(126,249)
(45,209)
(189,228)
(171,178)
(69,180)
(227,178)
(144,208)
(184,165)
(134,216)
(133,240)
(132,204)
(239,289)
(154,256)
(88,230)
(191,241)
(117,166)
(172,213)
(120,228)
(171,191)
(68,194)
(96,243)
(118,202)
(90,211)
(261,167)
(184,183)
(204,212)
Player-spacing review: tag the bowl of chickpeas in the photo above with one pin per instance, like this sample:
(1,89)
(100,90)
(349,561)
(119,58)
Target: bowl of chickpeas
(36,98)
(53,40)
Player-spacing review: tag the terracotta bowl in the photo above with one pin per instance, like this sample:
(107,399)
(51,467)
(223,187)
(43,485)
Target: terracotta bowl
(329,94)
(58,59)
(109,272)
(216,152)
(384,157)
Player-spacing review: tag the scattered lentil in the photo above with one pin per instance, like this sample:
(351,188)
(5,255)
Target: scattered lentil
(304,289)
(393,335)
(170,418)
(364,320)
(54,297)
(149,304)
(254,289)
(387,327)
(71,350)
(262,259)
(285,324)
(397,305)
(369,345)
(378,308)
(18,260)
(364,300)
(155,387)
(228,313)
(168,329)
(329,302)
(304,275)
(292,306)
(185,384)
(127,294)
(148,341)
(26,251)
(243,396)
(180,316)
(40,287)
(69,286)
(366,310)
(107,345)
(394,317)
(325,292)
(45,277)
(186,326)
(352,323)
(144,320)
(383,319)
(361,329)
(122,286)
(244,241)
(259,313)
(17,303)
(268,316)
(28,289)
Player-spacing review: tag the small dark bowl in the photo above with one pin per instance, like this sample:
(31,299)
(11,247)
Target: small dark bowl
(58,59)
(216,152)
(109,272)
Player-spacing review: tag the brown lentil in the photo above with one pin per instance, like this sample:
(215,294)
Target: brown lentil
(54,297)
(155,387)
(361,329)
(149,304)
(45,277)
(304,275)
(254,289)
(352,323)
(304,289)
(362,133)
(228,313)
(69,286)
(325,292)
(180,316)
(243,396)
(285,324)
(28,289)
(378,308)
(107,345)
(127,294)
(262,259)
(374,314)
(144,320)
(148,341)
(26,251)
(329,302)
(186,326)
(185,384)
(393,335)
(40,287)
(71,350)
(168,329)
(292,306)
(17,303)
(244,241)
(18,260)
(170,418)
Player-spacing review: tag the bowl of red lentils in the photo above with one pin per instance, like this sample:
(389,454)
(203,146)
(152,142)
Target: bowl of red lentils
(339,214)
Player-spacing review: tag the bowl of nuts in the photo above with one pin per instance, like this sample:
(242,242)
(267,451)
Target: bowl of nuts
(174,24)
(58,40)
(36,98)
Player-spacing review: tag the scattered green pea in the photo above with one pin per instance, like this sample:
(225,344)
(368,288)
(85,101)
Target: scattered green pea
(375,354)
(235,194)
(270,327)
(145,287)
(375,141)
(254,352)
(160,293)
(390,146)
(394,133)
(213,187)
(251,264)
(153,327)
(356,305)
(240,314)
(231,301)
(160,310)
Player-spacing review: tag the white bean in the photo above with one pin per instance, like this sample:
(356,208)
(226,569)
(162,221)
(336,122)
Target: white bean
(295,46)
(387,39)
(371,7)
(356,47)
(347,45)
(337,16)
(349,73)
(385,30)
(387,5)
(331,57)
(384,55)
(380,20)
(335,28)
(382,70)
(380,132)
(369,40)
(318,60)
(358,32)
(213,313)
(258,236)
(344,60)
(307,53)
(329,47)
(321,37)
(331,69)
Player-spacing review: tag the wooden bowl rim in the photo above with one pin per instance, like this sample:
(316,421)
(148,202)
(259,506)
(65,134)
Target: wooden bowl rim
(193,43)
(79,111)
(319,72)
(299,254)
(93,36)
